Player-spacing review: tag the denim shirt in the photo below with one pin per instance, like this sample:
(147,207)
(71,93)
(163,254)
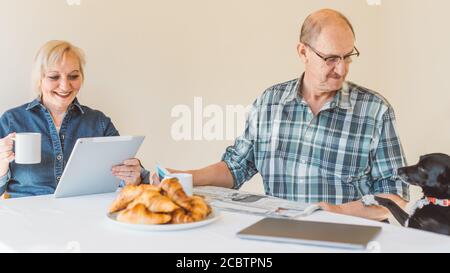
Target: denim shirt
(39,179)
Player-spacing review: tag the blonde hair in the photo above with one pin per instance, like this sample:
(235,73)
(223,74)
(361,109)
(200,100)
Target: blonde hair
(50,54)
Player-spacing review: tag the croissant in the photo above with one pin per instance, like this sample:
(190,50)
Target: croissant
(125,197)
(129,193)
(143,197)
(200,209)
(154,202)
(168,203)
(148,187)
(175,191)
(139,214)
(180,216)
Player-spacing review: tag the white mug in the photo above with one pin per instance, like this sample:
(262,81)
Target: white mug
(185,180)
(27,148)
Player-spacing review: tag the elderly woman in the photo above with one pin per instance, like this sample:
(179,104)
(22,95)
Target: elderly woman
(58,76)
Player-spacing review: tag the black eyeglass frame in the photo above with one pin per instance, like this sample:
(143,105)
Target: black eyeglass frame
(334,59)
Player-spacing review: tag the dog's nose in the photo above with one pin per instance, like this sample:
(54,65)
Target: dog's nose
(401,171)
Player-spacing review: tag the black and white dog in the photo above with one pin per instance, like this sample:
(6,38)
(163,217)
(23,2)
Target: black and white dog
(432,213)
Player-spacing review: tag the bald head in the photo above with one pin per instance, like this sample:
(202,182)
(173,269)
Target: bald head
(317,21)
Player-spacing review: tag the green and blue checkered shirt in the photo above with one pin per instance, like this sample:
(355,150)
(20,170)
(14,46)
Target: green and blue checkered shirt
(349,149)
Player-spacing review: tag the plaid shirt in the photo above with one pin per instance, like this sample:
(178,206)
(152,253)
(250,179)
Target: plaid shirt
(348,150)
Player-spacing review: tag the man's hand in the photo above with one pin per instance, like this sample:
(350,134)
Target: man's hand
(356,208)
(154,179)
(129,171)
(330,207)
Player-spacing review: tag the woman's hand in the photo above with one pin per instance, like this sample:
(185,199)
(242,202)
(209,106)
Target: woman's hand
(129,171)
(6,153)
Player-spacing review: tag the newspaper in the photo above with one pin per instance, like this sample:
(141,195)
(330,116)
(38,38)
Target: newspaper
(256,204)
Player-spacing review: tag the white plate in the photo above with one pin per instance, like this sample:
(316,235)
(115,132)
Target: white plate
(213,216)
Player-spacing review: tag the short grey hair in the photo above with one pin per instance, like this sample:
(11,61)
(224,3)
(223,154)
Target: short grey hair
(50,54)
(314,23)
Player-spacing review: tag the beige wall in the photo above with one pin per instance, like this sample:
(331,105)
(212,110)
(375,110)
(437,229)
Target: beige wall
(147,56)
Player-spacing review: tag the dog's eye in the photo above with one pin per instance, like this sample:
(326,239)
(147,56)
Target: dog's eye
(422,170)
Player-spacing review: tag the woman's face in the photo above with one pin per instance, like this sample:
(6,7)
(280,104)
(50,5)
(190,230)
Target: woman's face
(61,83)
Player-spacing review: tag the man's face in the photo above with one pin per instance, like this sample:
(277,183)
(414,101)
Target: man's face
(332,41)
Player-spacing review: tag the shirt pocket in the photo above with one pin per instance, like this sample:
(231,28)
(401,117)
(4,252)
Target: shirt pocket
(264,140)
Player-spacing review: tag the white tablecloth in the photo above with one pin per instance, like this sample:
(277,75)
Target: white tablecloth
(79,224)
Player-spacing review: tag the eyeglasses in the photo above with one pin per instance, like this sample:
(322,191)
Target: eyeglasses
(333,60)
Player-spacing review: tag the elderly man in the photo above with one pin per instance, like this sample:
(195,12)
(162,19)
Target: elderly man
(319,138)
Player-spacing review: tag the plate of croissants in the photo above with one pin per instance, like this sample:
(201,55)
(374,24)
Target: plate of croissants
(162,207)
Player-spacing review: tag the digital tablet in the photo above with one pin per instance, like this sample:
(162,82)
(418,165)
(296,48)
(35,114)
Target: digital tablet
(88,170)
(312,233)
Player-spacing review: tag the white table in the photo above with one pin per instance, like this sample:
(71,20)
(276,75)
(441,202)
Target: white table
(46,224)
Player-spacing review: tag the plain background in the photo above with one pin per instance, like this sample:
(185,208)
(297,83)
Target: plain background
(145,57)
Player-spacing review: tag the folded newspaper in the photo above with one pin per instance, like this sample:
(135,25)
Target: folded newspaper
(256,204)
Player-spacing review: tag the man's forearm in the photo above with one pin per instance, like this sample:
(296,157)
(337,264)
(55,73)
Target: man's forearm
(216,174)
(356,208)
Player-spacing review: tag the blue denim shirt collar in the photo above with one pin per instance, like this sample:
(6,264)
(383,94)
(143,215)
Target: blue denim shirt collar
(38,102)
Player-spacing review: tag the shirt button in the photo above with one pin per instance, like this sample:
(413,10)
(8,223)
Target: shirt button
(58,178)
(308,136)
(303,161)
(59,157)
